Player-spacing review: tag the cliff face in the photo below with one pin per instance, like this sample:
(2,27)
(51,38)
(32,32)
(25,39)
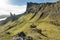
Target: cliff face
(51,9)
(34,7)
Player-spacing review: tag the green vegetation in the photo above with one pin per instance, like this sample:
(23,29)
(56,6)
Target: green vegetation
(39,22)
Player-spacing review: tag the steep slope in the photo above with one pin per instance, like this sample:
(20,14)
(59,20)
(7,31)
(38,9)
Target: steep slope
(41,21)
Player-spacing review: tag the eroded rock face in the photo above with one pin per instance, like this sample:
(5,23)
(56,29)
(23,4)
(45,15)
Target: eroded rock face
(22,36)
(29,38)
(53,12)
(17,38)
(35,7)
(33,26)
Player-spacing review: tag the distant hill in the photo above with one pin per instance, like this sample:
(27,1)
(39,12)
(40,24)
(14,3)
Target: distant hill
(3,16)
(41,21)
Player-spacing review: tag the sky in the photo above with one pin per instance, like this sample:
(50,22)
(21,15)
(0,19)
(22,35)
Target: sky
(17,6)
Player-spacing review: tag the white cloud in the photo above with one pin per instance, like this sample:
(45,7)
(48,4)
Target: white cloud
(6,8)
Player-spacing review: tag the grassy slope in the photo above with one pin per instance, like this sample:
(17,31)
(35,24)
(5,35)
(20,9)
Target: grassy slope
(23,24)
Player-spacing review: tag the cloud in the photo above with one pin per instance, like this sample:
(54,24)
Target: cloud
(6,8)
(23,2)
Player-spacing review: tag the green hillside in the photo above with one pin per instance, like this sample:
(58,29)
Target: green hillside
(41,21)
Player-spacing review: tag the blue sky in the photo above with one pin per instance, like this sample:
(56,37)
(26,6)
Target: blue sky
(17,6)
(23,2)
